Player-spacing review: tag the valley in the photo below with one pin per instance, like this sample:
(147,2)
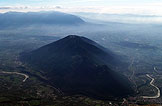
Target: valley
(114,64)
(134,71)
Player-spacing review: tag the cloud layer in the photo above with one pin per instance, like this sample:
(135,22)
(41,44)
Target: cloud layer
(137,7)
(147,9)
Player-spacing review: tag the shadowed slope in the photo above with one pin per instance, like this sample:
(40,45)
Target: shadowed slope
(78,65)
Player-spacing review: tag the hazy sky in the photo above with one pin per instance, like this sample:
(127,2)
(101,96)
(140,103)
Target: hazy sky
(153,7)
(76,2)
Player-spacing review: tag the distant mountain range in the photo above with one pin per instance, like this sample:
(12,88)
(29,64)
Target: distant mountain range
(78,65)
(19,19)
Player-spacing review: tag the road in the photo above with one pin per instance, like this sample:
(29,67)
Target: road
(132,69)
(22,74)
(155,70)
(158,90)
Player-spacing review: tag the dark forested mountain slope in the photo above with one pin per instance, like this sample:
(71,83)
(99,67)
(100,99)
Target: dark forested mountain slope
(78,65)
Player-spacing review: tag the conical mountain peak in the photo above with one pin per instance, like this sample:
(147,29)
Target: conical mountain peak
(78,65)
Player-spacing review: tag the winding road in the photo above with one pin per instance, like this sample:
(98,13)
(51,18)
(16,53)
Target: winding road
(158,90)
(22,74)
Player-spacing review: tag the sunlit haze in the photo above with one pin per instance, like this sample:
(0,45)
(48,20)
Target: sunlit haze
(149,7)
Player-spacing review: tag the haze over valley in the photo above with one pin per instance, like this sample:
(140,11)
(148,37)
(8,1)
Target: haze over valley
(59,57)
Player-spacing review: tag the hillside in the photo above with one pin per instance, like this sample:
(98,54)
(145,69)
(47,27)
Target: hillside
(77,65)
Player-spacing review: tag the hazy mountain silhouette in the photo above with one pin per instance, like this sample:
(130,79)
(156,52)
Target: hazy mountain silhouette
(78,65)
(18,19)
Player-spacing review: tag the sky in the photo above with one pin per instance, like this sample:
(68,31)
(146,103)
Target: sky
(141,7)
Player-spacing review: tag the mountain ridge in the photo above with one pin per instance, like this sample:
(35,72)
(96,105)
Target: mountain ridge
(18,19)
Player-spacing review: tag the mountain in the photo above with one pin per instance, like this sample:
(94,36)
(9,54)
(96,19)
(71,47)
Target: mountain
(78,65)
(18,19)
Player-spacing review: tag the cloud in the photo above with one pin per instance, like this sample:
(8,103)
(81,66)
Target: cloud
(28,8)
(142,9)
(58,7)
(13,7)
(3,8)
(150,12)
